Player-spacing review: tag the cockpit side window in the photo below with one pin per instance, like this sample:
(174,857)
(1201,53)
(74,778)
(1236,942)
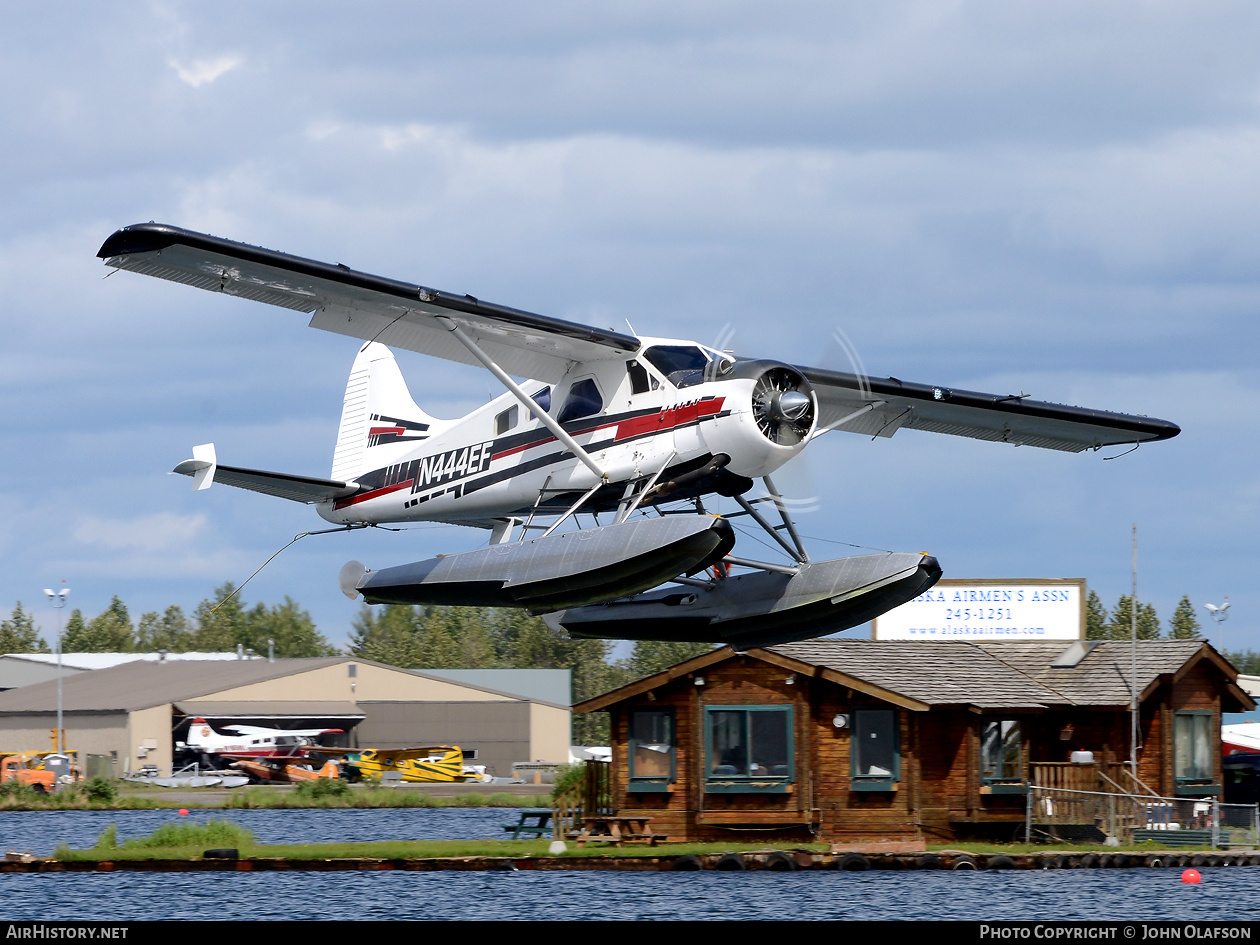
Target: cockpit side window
(583,401)
(682,365)
(542,399)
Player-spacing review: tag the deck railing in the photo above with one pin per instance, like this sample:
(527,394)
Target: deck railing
(1090,802)
(589,797)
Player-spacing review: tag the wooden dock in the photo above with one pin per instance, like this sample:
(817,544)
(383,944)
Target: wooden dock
(779,860)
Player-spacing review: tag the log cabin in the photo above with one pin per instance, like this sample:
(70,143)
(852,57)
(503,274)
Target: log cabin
(877,741)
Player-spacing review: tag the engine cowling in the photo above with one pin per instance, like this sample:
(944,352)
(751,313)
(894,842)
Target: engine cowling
(775,412)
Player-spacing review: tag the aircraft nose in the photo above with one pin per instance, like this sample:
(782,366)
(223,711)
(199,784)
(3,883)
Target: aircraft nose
(790,405)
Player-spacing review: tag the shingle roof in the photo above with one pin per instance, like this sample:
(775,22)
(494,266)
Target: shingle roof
(1102,677)
(996,675)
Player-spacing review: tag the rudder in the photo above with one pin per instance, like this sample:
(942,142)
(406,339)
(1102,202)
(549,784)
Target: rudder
(377,412)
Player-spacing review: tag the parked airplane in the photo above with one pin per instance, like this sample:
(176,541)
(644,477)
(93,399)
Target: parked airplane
(418,765)
(250,741)
(607,424)
(285,770)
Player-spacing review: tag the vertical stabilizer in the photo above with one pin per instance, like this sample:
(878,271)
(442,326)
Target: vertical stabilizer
(378,413)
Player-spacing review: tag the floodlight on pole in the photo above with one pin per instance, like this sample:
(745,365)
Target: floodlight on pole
(58,602)
(1219,614)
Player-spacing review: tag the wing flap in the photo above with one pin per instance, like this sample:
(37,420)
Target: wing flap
(362,305)
(896,404)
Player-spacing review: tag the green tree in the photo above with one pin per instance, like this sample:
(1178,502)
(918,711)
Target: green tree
(75,628)
(652,656)
(169,630)
(455,638)
(1246,662)
(221,622)
(1183,625)
(224,623)
(387,635)
(1095,617)
(291,628)
(110,631)
(1119,628)
(19,635)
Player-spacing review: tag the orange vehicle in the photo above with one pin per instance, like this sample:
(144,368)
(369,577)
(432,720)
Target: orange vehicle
(13,767)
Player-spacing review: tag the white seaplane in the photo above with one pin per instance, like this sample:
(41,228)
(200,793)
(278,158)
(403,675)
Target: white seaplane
(638,430)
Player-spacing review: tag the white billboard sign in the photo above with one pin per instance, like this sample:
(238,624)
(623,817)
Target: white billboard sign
(1034,609)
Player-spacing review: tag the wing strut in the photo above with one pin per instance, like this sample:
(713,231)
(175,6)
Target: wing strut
(845,419)
(547,420)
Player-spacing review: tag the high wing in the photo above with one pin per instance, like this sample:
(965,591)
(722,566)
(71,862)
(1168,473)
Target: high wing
(361,305)
(294,733)
(882,406)
(395,755)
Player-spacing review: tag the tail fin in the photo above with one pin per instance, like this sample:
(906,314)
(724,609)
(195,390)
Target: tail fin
(199,732)
(378,412)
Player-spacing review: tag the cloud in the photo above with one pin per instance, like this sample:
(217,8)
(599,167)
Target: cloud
(201,72)
(152,532)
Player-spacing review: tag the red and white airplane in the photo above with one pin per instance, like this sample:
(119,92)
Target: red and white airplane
(607,424)
(250,741)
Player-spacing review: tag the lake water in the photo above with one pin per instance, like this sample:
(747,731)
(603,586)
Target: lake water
(1229,893)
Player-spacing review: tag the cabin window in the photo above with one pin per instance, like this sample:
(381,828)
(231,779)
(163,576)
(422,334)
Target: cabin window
(682,365)
(1002,756)
(748,749)
(651,750)
(639,381)
(506,420)
(1192,748)
(583,401)
(875,755)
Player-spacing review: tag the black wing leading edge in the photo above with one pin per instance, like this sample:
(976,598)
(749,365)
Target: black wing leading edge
(416,318)
(372,308)
(882,406)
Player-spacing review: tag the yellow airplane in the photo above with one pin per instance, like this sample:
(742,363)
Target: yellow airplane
(440,763)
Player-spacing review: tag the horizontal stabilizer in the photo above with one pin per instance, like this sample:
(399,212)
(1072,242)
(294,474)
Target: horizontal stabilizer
(282,485)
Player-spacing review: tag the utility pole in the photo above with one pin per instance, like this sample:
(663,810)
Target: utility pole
(58,601)
(1133,694)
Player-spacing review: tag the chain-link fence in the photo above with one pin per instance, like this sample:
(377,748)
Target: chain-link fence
(1062,814)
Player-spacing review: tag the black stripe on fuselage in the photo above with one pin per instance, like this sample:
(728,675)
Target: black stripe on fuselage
(402,471)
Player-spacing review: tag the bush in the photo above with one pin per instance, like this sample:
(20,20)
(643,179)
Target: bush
(323,788)
(101,790)
(19,791)
(108,839)
(568,778)
(208,833)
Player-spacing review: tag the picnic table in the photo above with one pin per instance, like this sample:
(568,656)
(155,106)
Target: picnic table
(534,823)
(606,828)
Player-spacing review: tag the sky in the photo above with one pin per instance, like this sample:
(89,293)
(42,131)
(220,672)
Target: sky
(1053,198)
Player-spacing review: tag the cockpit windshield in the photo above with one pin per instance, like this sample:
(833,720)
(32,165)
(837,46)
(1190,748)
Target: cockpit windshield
(682,365)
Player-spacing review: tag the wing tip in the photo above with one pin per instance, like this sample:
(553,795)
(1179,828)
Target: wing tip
(139,238)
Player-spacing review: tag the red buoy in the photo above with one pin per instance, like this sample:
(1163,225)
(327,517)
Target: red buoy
(1191,876)
(183,812)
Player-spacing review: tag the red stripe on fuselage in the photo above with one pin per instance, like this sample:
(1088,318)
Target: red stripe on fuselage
(374,494)
(377,431)
(668,419)
(660,422)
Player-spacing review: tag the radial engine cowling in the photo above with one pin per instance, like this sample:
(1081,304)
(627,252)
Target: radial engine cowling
(777,411)
(783,406)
